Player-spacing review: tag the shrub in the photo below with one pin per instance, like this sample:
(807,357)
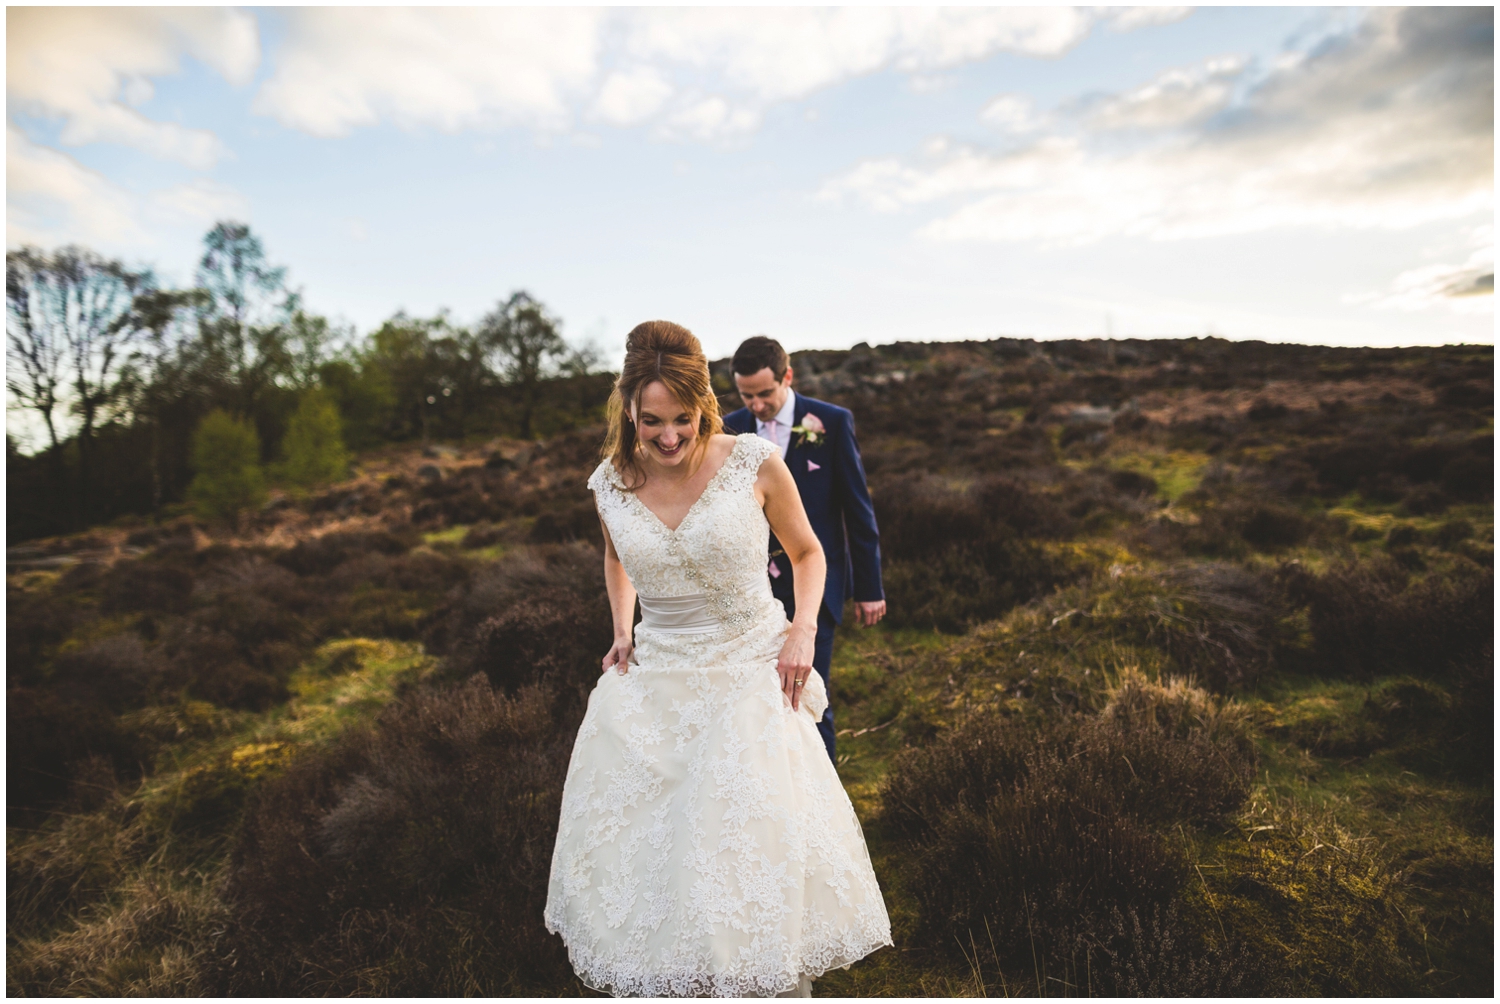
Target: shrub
(1372,617)
(226,459)
(36,622)
(1181,711)
(1470,476)
(1132,483)
(146,586)
(1217,621)
(1452,532)
(238,646)
(314,442)
(957,556)
(321,555)
(1049,834)
(115,671)
(1326,906)
(47,736)
(411,859)
(1163,955)
(538,614)
(579,521)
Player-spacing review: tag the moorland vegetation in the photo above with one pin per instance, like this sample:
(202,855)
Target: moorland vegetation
(1187,688)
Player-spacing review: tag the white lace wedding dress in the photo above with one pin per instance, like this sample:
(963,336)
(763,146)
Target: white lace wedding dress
(706,846)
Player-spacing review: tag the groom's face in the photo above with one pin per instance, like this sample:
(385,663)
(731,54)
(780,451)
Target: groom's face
(762,393)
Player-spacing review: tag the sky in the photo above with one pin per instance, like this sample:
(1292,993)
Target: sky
(826,176)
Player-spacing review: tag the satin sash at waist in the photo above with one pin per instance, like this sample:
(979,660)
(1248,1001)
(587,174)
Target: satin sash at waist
(678,614)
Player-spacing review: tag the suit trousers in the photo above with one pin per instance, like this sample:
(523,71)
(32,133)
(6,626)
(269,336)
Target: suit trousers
(822,662)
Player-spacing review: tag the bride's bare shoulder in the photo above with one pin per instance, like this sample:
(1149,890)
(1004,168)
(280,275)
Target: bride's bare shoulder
(721,445)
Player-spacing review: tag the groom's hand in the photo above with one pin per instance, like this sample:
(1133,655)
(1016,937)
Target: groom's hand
(869,614)
(619,655)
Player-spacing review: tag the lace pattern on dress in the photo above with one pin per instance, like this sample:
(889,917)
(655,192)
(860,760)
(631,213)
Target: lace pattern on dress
(705,845)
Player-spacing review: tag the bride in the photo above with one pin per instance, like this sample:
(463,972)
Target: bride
(706,846)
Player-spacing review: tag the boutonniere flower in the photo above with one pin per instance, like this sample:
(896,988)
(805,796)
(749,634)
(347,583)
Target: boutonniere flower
(810,431)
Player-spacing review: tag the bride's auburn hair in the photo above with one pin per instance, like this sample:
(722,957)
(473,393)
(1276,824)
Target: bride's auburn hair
(669,353)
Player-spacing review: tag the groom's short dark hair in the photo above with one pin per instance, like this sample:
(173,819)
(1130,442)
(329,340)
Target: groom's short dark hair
(760,353)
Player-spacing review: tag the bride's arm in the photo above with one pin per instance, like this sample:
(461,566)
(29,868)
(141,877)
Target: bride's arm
(783,505)
(621,607)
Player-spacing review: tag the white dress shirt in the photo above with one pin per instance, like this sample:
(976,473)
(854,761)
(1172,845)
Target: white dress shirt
(779,429)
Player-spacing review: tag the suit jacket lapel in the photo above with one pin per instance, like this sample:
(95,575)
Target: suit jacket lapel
(792,454)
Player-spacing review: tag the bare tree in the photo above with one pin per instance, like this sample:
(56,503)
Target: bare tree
(75,305)
(526,340)
(34,350)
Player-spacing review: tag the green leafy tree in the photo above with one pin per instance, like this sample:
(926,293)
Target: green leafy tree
(363,396)
(152,380)
(403,350)
(314,444)
(311,341)
(525,337)
(245,317)
(226,457)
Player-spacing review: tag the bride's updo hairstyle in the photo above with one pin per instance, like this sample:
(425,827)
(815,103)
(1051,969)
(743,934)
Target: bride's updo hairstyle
(658,350)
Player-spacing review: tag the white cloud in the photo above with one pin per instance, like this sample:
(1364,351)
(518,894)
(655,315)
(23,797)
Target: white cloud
(1386,126)
(195,204)
(931,83)
(51,199)
(1174,99)
(1011,112)
(90,66)
(1131,18)
(711,118)
(341,68)
(773,54)
(1463,289)
(632,96)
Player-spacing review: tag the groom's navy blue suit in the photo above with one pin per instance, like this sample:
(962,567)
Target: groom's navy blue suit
(831,479)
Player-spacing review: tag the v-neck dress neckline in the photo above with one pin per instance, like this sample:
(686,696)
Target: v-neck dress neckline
(723,465)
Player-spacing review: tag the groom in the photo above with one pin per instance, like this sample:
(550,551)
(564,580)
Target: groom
(816,440)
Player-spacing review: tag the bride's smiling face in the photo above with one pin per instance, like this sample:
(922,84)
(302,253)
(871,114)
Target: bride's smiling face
(665,429)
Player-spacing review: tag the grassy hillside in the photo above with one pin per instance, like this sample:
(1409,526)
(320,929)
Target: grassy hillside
(1187,687)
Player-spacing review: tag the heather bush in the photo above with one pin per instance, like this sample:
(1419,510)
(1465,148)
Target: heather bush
(49,734)
(953,557)
(1322,905)
(245,635)
(1040,836)
(409,859)
(460,500)
(321,555)
(36,622)
(147,587)
(1160,953)
(116,672)
(1441,728)
(1373,617)
(538,614)
(579,521)
(1217,621)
